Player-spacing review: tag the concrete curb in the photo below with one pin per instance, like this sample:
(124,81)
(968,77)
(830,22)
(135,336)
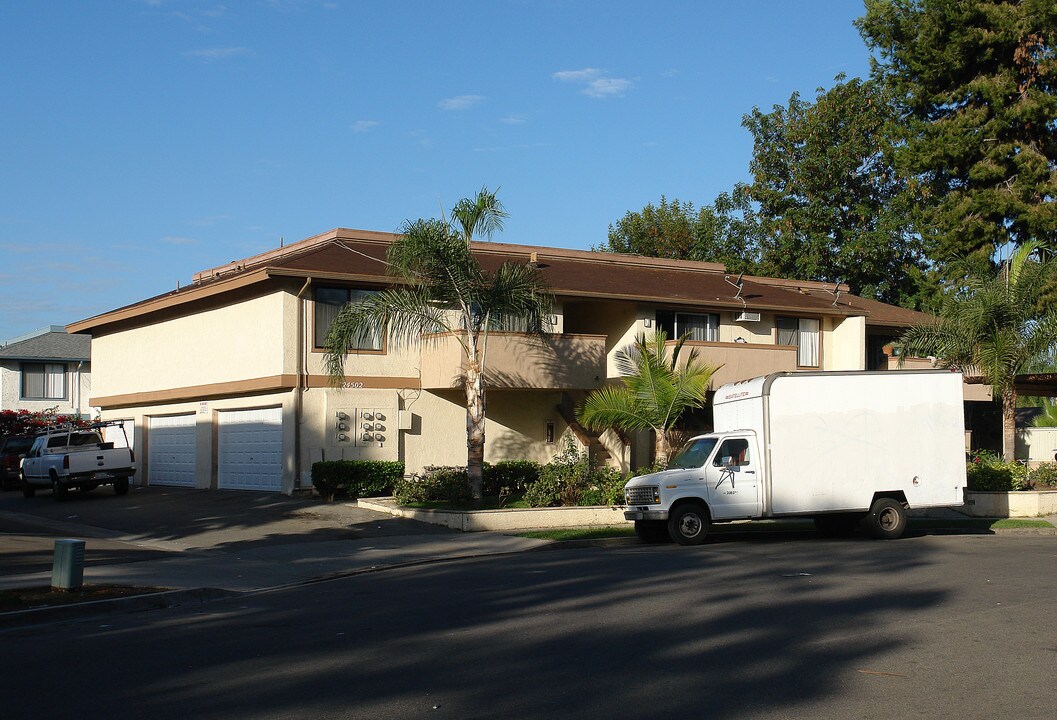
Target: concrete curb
(98,608)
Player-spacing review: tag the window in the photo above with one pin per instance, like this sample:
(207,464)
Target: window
(803,333)
(328,303)
(692,455)
(702,327)
(734,451)
(43,381)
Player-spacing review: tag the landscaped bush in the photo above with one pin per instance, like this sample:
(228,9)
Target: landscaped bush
(989,472)
(1045,476)
(516,475)
(569,479)
(356,478)
(436,484)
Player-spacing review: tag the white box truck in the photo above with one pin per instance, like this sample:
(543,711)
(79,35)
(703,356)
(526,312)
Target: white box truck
(844,448)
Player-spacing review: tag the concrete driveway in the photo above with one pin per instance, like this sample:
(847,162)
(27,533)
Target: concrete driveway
(153,523)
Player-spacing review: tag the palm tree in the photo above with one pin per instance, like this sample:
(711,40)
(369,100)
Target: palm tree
(655,393)
(441,291)
(993,325)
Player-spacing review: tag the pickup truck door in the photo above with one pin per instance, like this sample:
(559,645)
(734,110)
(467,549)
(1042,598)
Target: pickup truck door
(732,479)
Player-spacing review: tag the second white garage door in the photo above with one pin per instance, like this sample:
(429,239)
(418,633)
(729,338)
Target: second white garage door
(171,451)
(250,449)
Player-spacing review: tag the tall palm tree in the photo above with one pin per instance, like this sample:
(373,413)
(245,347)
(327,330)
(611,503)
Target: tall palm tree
(994,325)
(441,291)
(655,393)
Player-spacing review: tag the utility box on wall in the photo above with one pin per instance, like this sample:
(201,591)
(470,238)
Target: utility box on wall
(363,427)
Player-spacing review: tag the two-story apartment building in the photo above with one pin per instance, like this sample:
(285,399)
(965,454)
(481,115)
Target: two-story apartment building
(225,384)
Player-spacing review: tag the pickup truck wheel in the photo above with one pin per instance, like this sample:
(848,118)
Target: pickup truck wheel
(688,524)
(27,489)
(887,519)
(652,531)
(58,490)
(121,486)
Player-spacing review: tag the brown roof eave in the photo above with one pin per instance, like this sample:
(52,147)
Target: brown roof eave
(164,302)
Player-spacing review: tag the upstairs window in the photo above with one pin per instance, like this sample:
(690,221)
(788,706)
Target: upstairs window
(702,327)
(328,303)
(802,333)
(43,381)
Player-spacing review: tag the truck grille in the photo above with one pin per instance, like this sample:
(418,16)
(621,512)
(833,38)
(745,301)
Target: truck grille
(646,495)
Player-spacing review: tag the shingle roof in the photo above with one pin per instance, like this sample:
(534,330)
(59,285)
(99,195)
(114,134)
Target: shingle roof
(359,256)
(49,346)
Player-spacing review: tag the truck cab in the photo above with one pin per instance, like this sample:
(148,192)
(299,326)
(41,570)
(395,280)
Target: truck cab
(718,474)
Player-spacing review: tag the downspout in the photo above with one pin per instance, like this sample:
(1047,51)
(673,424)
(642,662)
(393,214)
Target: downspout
(301,372)
(77,410)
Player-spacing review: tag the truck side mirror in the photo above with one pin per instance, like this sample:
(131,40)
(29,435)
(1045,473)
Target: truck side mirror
(728,461)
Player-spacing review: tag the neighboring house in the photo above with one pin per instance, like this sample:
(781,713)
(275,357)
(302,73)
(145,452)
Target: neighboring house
(225,384)
(46,369)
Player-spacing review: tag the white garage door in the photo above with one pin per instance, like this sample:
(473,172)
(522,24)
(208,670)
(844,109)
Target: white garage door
(250,449)
(171,451)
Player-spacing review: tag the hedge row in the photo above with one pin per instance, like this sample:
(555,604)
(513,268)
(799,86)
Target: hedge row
(356,478)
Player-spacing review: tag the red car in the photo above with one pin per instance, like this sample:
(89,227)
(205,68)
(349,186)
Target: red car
(12,450)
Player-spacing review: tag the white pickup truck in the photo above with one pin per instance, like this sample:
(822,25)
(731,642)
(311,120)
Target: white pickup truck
(843,448)
(76,458)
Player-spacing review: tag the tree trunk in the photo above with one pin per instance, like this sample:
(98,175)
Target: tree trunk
(1009,425)
(475,416)
(660,451)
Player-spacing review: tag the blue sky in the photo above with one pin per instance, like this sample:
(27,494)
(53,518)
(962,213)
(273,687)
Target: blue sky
(144,140)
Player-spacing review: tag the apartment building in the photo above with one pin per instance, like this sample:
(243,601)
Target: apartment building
(224,385)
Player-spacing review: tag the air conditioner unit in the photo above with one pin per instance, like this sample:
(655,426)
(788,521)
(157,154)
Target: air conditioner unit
(747,317)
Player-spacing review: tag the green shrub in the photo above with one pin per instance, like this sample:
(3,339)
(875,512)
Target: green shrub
(987,471)
(1045,475)
(356,478)
(447,484)
(606,488)
(513,474)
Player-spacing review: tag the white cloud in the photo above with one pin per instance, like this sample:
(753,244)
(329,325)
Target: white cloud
(362,126)
(214,54)
(596,83)
(176,240)
(516,119)
(460,102)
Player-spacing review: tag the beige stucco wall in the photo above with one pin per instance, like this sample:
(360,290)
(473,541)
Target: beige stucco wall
(761,332)
(235,342)
(844,343)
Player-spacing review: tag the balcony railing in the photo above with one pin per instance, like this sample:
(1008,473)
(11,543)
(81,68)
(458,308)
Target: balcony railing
(741,361)
(514,360)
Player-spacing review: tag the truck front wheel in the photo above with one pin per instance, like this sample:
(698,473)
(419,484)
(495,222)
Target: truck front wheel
(58,490)
(688,524)
(27,489)
(887,519)
(652,531)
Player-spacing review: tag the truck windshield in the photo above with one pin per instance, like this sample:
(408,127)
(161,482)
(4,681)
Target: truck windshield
(693,454)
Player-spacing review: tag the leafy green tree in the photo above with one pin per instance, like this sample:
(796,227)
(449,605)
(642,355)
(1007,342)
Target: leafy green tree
(657,389)
(723,232)
(830,205)
(992,325)
(1048,417)
(975,82)
(440,288)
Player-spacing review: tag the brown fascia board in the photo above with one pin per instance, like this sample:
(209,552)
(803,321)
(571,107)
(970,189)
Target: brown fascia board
(257,268)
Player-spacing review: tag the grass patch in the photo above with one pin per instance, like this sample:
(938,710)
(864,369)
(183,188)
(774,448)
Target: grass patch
(26,599)
(978,524)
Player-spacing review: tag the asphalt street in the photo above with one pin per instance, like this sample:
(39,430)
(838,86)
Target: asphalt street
(937,627)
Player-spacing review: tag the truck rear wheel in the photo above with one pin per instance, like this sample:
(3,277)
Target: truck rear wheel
(121,486)
(652,531)
(58,490)
(887,519)
(688,524)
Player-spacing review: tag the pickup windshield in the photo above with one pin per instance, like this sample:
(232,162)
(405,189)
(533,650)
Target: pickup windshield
(693,454)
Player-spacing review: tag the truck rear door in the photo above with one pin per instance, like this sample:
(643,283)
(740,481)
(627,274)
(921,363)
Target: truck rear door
(733,479)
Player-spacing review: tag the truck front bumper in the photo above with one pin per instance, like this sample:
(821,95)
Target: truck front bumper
(645,514)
